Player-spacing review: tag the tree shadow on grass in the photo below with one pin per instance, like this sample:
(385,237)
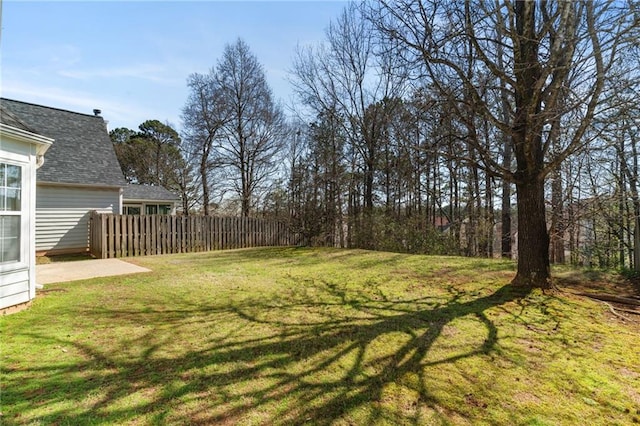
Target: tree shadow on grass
(294,359)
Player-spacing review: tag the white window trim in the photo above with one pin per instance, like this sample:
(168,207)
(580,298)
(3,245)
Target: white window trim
(25,194)
(143,207)
(125,206)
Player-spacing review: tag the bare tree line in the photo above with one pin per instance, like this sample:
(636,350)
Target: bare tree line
(479,128)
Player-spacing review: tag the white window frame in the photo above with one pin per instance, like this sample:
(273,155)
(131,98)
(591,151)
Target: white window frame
(23,213)
(126,206)
(165,205)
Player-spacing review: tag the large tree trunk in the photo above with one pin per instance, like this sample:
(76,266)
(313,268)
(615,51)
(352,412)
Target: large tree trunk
(533,237)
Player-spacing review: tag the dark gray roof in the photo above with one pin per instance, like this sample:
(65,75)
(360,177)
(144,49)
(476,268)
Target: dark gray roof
(82,152)
(9,119)
(147,192)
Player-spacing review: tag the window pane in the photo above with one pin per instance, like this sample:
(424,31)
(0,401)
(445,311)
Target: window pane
(152,209)
(12,200)
(10,187)
(131,210)
(9,238)
(13,176)
(164,209)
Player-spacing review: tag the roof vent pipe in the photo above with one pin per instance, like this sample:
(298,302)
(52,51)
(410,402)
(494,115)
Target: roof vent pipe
(97,112)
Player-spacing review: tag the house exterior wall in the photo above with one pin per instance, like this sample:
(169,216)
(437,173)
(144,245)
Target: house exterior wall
(62,215)
(17,278)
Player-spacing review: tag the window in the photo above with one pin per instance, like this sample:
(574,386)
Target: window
(147,209)
(131,210)
(158,209)
(10,212)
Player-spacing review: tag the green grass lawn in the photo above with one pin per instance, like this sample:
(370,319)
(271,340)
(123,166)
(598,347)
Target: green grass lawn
(316,336)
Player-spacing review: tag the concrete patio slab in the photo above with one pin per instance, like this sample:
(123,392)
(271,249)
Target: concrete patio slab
(84,269)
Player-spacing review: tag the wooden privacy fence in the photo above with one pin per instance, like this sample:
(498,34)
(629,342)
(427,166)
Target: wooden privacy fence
(112,235)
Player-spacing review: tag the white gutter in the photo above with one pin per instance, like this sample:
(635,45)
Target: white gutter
(25,136)
(78,185)
(42,143)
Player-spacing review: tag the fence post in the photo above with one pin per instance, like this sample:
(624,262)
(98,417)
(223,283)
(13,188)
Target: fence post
(96,235)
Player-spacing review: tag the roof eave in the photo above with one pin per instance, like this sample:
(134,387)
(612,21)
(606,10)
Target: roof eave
(79,185)
(42,142)
(148,200)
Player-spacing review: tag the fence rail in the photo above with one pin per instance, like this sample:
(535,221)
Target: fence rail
(112,235)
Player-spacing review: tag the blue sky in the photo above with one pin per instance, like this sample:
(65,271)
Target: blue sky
(132,59)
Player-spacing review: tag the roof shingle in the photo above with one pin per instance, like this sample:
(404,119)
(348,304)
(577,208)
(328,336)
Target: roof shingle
(82,153)
(9,119)
(148,192)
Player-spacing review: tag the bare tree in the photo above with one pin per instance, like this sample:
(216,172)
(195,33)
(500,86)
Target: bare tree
(203,117)
(616,172)
(546,45)
(351,76)
(254,130)
(233,128)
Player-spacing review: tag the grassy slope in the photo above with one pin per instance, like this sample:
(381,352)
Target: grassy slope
(292,336)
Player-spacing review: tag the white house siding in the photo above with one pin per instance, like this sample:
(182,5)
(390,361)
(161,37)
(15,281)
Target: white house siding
(62,215)
(15,287)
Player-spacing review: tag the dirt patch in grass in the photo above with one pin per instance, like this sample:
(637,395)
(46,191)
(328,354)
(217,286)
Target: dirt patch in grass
(594,281)
(75,257)
(525,398)
(607,284)
(52,290)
